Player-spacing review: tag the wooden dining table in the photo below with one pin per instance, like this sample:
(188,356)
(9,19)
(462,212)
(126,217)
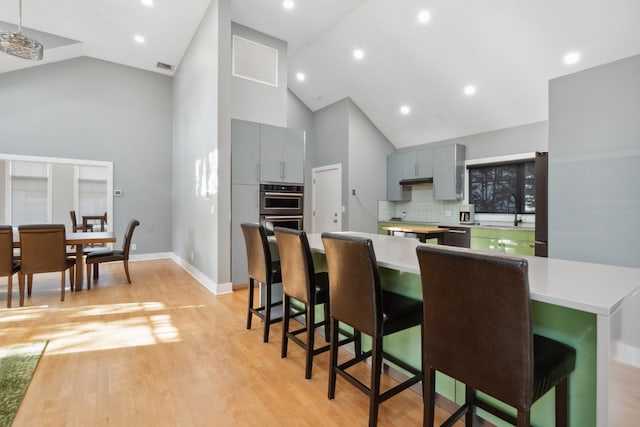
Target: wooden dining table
(79,240)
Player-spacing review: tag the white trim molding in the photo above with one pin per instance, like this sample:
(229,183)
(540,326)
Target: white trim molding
(213,287)
(626,354)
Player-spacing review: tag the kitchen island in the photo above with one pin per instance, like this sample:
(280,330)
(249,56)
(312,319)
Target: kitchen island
(572,302)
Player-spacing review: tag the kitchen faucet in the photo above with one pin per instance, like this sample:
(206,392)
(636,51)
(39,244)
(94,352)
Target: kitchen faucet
(515,209)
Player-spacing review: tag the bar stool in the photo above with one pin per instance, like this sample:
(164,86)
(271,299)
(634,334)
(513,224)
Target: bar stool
(477,329)
(262,270)
(357,299)
(301,282)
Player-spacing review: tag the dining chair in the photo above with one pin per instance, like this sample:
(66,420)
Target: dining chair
(260,269)
(8,267)
(356,298)
(75,225)
(98,257)
(477,330)
(301,283)
(43,249)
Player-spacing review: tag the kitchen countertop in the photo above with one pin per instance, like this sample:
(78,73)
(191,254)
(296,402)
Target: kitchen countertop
(485,224)
(593,288)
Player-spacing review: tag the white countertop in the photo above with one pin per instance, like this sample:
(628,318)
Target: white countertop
(594,288)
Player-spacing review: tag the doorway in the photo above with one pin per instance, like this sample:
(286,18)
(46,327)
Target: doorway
(326,201)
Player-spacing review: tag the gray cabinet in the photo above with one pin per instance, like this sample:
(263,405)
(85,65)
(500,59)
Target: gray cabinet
(281,154)
(244,208)
(448,172)
(395,165)
(245,152)
(408,164)
(293,156)
(266,153)
(424,163)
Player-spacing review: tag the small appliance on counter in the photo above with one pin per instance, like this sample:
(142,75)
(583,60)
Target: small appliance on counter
(467,214)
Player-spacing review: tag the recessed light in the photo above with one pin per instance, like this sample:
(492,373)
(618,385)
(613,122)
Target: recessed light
(148,3)
(424,16)
(470,90)
(288,4)
(300,76)
(358,54)
(405,109)
(138,39)
(571,58)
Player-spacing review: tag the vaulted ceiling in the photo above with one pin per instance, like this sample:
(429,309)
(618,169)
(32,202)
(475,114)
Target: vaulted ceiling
(508,50)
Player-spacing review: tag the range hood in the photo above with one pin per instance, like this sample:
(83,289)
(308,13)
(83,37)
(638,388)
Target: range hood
(416,181)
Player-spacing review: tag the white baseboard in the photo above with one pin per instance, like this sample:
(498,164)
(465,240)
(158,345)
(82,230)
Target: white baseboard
(627,354)
(210,285)
(151,256)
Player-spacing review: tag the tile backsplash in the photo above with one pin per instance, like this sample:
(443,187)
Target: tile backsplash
(422,207)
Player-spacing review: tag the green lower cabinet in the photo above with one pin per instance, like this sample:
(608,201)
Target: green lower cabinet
(514,242)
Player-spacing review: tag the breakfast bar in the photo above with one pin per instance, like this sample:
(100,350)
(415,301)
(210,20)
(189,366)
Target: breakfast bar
(572,302)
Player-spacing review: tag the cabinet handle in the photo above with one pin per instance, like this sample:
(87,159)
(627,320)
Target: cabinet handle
(458,231)
(258,172)
(415,170)
(281,169)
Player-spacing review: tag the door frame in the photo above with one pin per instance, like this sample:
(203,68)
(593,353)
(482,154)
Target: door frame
(314,171)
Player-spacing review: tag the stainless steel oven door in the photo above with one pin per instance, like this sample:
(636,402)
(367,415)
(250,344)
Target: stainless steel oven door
(281,203)
(288,221)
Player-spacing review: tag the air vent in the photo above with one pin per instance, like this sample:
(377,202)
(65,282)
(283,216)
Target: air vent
(164,66)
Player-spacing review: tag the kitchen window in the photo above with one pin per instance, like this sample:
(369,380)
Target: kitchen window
(503,187)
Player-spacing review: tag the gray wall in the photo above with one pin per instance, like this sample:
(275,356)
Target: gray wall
(594,154)
(342,133)
(331,143)
(367,173)
(201,206)
(301,117)
(594,144)
(89,109)
(515,140)
(258,102)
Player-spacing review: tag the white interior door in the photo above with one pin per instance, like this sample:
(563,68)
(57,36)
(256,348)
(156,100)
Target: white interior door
(327,198)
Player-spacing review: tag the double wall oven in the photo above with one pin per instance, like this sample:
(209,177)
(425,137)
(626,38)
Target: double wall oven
(281,205)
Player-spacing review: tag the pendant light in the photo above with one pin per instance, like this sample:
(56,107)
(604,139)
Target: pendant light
(17,44)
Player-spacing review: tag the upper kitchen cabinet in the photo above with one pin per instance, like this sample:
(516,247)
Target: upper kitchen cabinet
(395,191)
(281,154)
(448,172)
(407,165)
(424,163)
(245,152)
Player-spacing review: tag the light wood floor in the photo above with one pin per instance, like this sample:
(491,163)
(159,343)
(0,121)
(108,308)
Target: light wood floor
(164,351)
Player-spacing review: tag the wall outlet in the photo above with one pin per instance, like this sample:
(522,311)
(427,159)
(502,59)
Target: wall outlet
(133,246)
(447,212)
(353,192)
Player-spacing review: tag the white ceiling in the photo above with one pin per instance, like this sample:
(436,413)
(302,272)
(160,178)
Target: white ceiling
(508,49)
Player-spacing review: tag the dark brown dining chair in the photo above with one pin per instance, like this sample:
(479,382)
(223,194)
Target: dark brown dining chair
(94,258)
(43,249)
(301,283)
(357,299)
(75,225)
(8,267)
(477,329)
(261,269)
